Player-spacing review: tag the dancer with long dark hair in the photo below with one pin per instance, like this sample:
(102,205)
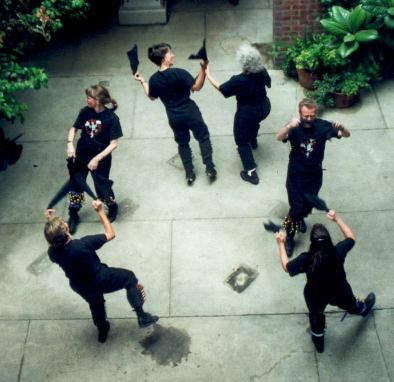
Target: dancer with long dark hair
(326,283)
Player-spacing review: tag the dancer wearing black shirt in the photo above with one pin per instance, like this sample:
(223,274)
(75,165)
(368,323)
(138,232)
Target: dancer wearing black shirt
(173,86)
(253,105)
(308,136)
(100,130)
(88,277)
(326,282)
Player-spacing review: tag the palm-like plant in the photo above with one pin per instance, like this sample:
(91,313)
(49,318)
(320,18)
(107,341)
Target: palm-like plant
(349,26)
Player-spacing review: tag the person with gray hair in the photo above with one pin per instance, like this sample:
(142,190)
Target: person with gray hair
(253,105)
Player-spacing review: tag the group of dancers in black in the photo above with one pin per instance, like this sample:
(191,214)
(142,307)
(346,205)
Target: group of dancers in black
(100,129)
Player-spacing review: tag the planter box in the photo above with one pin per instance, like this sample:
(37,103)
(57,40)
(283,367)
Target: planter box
(342,101)
(307,78)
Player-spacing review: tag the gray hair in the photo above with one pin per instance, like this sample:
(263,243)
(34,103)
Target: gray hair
(250,59)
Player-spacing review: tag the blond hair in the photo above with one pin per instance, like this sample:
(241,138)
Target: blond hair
(308,103)
(101,94)
(55,232)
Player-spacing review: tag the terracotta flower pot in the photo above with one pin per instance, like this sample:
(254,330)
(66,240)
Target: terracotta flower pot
(307,79)
(342,101)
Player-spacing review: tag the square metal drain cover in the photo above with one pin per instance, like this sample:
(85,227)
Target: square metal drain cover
(241,278)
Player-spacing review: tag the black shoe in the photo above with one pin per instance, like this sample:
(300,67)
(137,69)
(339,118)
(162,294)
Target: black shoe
(319,343)
(369,302)
(146,320)
(250,176)
(254,144)
(190,178)
(211,174)
(303,226)
(103,332)
(289,245)
(73,220)
(112,212)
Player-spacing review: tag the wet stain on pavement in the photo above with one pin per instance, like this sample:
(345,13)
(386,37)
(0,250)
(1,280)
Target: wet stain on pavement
(167,346)
(40,264)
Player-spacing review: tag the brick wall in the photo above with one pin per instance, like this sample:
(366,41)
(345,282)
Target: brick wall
(294,18)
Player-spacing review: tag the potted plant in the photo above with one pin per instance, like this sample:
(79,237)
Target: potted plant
(342,89)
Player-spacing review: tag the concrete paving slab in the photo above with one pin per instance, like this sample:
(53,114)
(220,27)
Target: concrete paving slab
(206,250)
(384,94)
(12,337)
(53,110)
(384,321)
(228,349)
(352,351)
(25,194)
(223,39)
(357,170)
(363,115)
(46,293)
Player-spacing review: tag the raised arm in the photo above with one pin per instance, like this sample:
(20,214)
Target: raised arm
(345,229)
(280,240)
(285,130)
(199,83)
(213,82)
(144,84)
(344,132)
(108,229)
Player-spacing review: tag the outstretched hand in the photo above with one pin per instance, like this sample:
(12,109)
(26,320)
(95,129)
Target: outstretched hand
(48,213)
(97,205)
(139,78)
(332,215)
(280,237)
(204,64)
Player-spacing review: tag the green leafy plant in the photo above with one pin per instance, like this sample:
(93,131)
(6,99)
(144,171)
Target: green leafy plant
(21,24)
(383,10)
(348,26)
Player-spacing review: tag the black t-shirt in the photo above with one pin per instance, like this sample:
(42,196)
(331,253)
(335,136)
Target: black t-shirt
(78,258)
(333,272)
(249,89)
(308,144)
(172,86)
(97,129)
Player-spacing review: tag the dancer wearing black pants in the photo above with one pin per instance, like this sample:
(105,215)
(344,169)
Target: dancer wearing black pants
(173,86)
(308,136)
(253,105)
(88,277)
(100,130)
(326,277)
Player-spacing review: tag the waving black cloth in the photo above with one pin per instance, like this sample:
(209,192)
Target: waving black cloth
(316,202)
(132,54)
(102,183)
(201,54)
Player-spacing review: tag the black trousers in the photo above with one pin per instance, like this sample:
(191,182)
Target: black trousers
(181,124)
(297,184)
(246,127)
(316,301)
(100,176)
(108,280)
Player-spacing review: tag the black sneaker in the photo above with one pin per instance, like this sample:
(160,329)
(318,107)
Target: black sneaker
(250,176)
(146,320)
(369,302)
(289,245)
(318,341)
(211,174)
(112,212)
(303,226)
(103,332)
(73,221)
(190,178)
